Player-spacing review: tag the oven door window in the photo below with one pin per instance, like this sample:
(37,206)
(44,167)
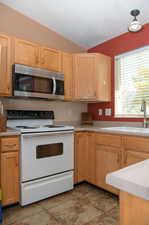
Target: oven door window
(29,83)
(59,87)
(49,150)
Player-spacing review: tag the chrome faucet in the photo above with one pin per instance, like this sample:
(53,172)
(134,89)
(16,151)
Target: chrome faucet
(143,109)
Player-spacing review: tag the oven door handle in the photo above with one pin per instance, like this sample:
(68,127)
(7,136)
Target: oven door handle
(47,133)
(54,85)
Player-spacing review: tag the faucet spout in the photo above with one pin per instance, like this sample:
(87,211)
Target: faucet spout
(143,109)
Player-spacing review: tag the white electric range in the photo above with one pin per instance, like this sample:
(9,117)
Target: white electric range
(47,154)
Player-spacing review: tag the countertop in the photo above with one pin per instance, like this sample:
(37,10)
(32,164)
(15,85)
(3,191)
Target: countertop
(135,131)
(133,179)
(10,132)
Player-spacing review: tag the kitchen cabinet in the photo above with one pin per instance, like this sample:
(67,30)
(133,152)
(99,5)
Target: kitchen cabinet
(131,157)
(108,159)
(87,75)
(50,59)
(80,156)
(26,52)
(5,65)
(97,154)
(33,54)
(9,163)
(84,157)
(90,163)
(67,69)
(84,76)
(92,77)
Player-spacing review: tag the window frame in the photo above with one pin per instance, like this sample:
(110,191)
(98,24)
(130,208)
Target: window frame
(115,82)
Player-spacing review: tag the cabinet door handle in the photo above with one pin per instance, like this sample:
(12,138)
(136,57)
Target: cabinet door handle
(16,162)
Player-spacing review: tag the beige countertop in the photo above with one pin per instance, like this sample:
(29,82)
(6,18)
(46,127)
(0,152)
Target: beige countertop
(9,132)
(135,131)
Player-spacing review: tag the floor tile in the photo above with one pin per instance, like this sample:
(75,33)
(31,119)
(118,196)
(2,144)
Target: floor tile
(16,213)
(75,212)
(103,220)
(85,205)
(41,218)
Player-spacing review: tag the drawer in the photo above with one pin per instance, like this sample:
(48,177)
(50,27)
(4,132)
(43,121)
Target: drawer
(108,139)
(9,144)
(137,143)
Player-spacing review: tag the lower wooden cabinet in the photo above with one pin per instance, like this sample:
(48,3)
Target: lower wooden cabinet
(9,164)
(84,157)
(80,156)
(108,159)
(97,154)
(131,157)
(90,158)
(10,178)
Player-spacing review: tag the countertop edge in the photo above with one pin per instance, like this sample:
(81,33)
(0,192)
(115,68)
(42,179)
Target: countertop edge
(120,181)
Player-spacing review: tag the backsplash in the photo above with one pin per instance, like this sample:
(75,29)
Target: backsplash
(64,111)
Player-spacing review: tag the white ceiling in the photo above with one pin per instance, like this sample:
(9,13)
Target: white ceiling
(85,22)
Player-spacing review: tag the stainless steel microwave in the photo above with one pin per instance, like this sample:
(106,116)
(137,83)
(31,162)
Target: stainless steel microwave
(37,83)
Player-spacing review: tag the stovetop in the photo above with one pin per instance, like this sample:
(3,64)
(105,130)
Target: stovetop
(41,128)
(34,121)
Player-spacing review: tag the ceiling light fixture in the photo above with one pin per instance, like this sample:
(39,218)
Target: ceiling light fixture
(135,25)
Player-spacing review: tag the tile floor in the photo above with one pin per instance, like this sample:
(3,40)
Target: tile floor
(85,205)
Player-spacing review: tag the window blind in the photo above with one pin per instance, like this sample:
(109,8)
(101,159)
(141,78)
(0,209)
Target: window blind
(131,82)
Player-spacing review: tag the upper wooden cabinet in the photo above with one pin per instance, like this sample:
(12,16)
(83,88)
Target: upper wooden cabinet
(87,75)
(67,70)
(50,59)
(92,77)
(5,65)
(32,54)
(26,52)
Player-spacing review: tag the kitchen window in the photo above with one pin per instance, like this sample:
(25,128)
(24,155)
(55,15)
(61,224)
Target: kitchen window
(131,82)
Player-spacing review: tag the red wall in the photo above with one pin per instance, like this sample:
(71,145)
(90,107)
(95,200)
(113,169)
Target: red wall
(123,43)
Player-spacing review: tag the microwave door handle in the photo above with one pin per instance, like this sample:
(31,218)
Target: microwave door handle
(54,85)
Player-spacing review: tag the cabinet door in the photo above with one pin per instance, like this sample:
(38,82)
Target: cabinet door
(50,59)
(131,157)
(80,157)
(90,164)
(67,70)
(103,65)
(108,159)
(84,76)
(5,66)
(10,177)
(26,52)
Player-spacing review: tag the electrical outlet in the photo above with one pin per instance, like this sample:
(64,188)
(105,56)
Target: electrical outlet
(100,111)
(108,112)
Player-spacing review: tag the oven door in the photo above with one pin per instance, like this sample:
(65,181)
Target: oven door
(45,154)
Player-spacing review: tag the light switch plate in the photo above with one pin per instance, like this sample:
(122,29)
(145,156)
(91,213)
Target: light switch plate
(108,112)
(100,112)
